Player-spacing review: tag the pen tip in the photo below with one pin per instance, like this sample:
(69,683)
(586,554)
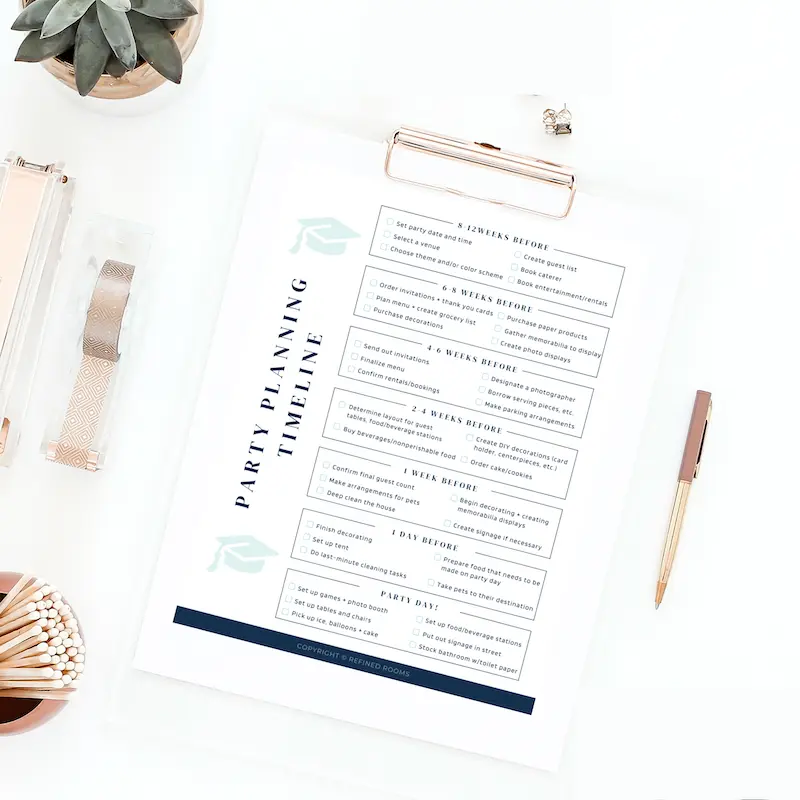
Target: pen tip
(660,589)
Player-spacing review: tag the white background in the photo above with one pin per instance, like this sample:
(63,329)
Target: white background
(687,105)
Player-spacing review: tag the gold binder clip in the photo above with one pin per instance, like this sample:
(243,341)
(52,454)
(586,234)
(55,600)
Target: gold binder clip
(483,155)
(557,123)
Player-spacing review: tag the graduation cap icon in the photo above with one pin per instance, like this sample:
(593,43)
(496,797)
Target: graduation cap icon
(241,553)
(326,235)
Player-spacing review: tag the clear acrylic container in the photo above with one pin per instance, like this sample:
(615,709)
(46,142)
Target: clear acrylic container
(35,208)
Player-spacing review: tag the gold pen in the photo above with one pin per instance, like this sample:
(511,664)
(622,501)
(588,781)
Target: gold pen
(690,466)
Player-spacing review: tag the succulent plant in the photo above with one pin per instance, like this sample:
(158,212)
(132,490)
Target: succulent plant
(105,36)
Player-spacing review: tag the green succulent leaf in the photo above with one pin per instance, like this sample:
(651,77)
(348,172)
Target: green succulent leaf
(164,9)
(173,25)
(156,46)
(64,14)
(33,16)
(91,52)
(117,30)
(117,5)
(114,67)
(34,48)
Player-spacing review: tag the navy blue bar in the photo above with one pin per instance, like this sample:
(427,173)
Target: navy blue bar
(352,660)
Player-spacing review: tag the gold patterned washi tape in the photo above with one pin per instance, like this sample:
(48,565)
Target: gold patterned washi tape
(100,356)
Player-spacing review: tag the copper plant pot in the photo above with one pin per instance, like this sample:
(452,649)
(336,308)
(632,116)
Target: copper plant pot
(139,81)
(21,716)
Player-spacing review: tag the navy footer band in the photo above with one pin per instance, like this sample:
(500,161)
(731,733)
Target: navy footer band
(353,660)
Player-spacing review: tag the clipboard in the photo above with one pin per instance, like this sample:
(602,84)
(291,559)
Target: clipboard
(141,696)
(482,154)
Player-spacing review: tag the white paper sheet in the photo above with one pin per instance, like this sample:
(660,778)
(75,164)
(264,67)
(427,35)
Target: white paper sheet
(410,452)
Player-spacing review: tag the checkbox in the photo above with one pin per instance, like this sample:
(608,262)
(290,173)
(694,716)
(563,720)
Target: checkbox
(412,645)
(310,523)
(288,599)
(370,295)
(485,376)
(292,586)
(437,557)
(323,477)
(390,220)
(419,619)
(303,549)
(337,426)
(326,465)
(464,459)
(342,404)
(415,632)
(515,267)
(454,498)
(447,523)
(518,254)
(500,315)
(470,437)
(367,308)
(320,490)
(373,282)
(498,328)
(479,402)
(387,234)
(481,389)
(306,537)
(285,612)
(357,343)
(351,368)
(431,582)
(354,356)
(494,340)
(384,247)
(512,279)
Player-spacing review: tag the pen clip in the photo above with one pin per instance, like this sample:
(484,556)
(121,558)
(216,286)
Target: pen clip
(702,442)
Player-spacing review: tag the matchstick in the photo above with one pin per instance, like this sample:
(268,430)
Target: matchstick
(15,590)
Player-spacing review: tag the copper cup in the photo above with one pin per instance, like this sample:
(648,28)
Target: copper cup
(21,716)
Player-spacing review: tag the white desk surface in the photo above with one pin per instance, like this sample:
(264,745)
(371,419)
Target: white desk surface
(699,700)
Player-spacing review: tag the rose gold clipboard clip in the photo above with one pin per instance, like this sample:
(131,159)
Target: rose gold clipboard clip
(482,155)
